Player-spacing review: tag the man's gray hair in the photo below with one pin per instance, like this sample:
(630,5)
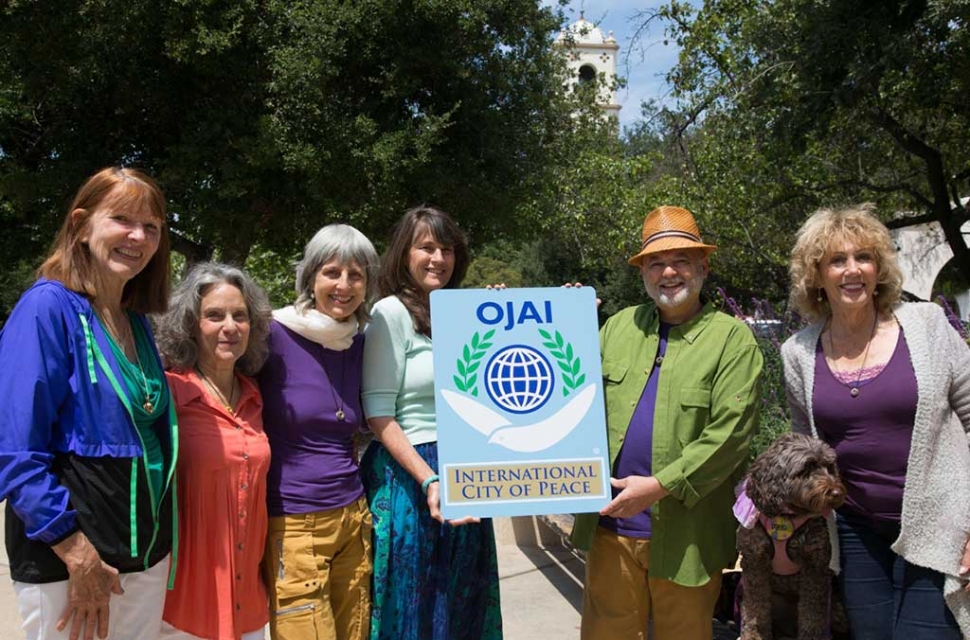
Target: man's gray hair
(177,329)
(346,245)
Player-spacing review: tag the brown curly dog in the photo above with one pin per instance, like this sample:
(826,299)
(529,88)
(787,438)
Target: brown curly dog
(784,547)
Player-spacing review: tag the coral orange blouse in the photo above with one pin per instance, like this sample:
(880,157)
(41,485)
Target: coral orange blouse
(223,461)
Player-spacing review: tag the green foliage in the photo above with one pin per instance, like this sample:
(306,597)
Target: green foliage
(486,270)
(275,273)
(265,120)
(775,419)
(788,105)
(13,282)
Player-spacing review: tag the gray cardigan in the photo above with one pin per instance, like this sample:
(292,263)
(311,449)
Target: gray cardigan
(936,494)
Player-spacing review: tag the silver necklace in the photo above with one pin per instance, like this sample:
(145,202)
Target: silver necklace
(854,387)
(337,402)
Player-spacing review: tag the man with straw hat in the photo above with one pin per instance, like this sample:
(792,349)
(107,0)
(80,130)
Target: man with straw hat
(682,390)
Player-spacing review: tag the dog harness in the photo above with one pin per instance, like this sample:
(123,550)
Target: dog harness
(780,529)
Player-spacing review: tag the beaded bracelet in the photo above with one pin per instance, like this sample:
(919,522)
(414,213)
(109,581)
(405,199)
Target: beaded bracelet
(427,483)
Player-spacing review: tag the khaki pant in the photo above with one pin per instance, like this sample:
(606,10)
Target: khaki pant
(620,596)
(318,570)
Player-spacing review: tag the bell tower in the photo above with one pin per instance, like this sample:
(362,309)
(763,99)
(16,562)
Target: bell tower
(591,56)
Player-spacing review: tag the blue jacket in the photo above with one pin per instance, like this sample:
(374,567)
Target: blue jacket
(70,455)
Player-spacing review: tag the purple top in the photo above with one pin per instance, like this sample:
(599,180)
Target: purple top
(636,454)
(870,433)
(312,467)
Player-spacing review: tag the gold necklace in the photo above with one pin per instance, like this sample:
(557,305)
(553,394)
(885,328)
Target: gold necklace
(854,387)
(147,405)
(122,341)
(220,396)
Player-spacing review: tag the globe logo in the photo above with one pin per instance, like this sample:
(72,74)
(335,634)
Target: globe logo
(519,379)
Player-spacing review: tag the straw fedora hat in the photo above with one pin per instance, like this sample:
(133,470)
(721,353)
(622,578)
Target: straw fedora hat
(667,228)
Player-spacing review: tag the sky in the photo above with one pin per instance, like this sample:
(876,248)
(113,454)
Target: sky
(644,67)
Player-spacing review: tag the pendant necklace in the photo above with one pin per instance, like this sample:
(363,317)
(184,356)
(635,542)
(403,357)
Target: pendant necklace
(147,405)
(854,387)
(337,402)
(219,395)
(121,341)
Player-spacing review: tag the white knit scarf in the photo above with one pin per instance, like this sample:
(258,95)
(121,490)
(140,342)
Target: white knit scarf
(319,327)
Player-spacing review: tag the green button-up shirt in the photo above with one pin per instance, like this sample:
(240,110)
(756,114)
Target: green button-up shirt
(707,409)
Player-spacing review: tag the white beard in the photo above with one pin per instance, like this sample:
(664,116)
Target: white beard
(692,288)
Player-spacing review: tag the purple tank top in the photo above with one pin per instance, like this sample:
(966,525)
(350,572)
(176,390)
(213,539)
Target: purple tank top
(871,433)
(636,455)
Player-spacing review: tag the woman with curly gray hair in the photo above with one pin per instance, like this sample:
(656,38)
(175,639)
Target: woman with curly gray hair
(887,385)
(211,340)
(318,558)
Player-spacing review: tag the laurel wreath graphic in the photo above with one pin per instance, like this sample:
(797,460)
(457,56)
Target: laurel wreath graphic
(570,364)
(471,358)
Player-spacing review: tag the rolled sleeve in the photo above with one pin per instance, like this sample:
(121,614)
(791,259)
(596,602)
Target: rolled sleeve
(723,444)
(384,363)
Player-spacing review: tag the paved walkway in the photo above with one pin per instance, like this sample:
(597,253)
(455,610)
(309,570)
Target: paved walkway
(541,583)
(541,587)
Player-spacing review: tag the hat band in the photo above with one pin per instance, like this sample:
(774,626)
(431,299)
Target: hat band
(660,235)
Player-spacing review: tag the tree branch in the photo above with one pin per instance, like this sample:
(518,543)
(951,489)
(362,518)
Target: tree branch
(193,251)
(914,145)
(911,221)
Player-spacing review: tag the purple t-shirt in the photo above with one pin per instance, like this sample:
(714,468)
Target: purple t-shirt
(635,456)
(312,467)
(870,433)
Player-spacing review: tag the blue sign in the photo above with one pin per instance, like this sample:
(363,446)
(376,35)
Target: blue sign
(519,402)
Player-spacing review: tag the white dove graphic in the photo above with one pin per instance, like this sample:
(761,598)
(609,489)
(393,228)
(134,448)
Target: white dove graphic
(526,438)
(478,416)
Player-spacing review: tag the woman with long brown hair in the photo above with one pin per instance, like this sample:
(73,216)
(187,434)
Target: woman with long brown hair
(433,580)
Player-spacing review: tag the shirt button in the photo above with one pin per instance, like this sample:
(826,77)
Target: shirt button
(238,606)
(241,515)
(245,456)
(239,546)
(243,486)
(238,427)
(238,576)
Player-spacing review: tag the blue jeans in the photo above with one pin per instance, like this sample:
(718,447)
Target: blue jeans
(887,598)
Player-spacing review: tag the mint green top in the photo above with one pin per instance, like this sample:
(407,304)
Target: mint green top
(137,380)
(398,376)
(707,410)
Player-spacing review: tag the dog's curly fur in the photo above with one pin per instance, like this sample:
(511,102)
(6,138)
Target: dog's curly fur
(795,476)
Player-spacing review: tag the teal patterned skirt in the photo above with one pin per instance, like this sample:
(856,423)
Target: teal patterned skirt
(431,581)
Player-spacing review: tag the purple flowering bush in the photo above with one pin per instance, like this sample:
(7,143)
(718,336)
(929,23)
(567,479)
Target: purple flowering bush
(962,327)
(771,330)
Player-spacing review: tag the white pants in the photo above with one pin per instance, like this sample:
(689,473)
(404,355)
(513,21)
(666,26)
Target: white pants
(171,633)
(136,615)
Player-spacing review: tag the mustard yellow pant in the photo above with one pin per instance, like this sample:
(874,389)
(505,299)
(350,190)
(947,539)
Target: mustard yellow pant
(620,596)
(318,571)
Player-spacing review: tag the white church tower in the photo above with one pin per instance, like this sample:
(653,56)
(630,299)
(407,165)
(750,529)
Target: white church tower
(590,56)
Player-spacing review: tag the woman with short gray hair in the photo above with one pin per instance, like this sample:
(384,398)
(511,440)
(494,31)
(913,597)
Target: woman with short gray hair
(318,559)
(212,339)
